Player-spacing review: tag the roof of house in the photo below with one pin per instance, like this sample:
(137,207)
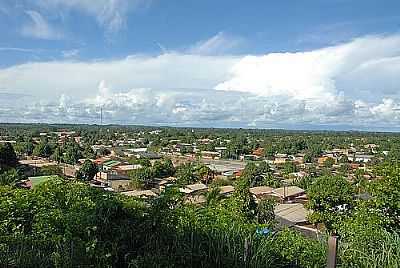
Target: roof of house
(259,190)
(128,167)
(193,188)
(226,189)
(136,193)
(111,163)
(291,213)
(288,191)
(35,181)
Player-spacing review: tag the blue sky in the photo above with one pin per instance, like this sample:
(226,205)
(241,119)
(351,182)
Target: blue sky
(291,64)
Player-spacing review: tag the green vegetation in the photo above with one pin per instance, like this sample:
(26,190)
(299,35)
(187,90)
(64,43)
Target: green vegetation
(66,223)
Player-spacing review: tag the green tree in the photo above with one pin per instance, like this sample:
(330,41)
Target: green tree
(87,171)
(330,198)
(51,170)
(10,177)
(57,155)
(186,174)
(72,153)
(142,176)
(289,167)
(163,168)
(43,149)
(329,162)
(265,211)
(8,158)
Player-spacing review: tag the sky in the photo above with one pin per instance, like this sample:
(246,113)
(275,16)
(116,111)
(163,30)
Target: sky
(314,64)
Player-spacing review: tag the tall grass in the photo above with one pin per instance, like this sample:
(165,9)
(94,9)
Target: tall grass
(385,252)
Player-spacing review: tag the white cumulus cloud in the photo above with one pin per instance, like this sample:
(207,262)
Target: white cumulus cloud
(352,85)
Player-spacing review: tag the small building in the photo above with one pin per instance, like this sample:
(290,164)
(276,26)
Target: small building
(210,155)
(194,188)
(288,193)
(226,190)
(291,214)
(261,191)
(140,194)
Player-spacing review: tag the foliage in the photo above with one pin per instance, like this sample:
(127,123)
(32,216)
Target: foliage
(330,198)
(186,174)
(50,170)
(265,211)
(10,177)
(43,149)
(8,157)
(141,177)
(72,153)
(87,171)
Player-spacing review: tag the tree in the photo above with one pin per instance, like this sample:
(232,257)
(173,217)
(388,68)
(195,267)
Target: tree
(308,158)
(141,177)
(289,167)
(330,197)
(329,162)
(72,153)
(88,152)
(386,195)
(57,155)
(265,211)
(10,177)
(242,199)
(271,181)
(87,171)
(8,158)
(344,159)
(50,170)
(43,149)
(163,168)
(186,174)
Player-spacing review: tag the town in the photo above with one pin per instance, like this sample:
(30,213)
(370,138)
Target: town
(282,169)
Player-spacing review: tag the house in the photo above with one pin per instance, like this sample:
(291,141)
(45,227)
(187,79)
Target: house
(140,194)
(261,191)
(295,216)
(322,159)
(291,214)
(226,190)
(124,169)
(287,193)
(280,159)
(249,157)
(210,155)
(159,184)
(148,155)
(120,185)
(194,188)
(259,152)
(365,158)
(110,164)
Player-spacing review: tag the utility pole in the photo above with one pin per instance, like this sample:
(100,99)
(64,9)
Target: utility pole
(332,251)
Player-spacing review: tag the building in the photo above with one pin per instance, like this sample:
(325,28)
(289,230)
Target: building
(288,193)
(194,188)
(140,194)
(261,191)
(226,190)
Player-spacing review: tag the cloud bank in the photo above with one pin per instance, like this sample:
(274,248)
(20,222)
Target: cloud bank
(353,85)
